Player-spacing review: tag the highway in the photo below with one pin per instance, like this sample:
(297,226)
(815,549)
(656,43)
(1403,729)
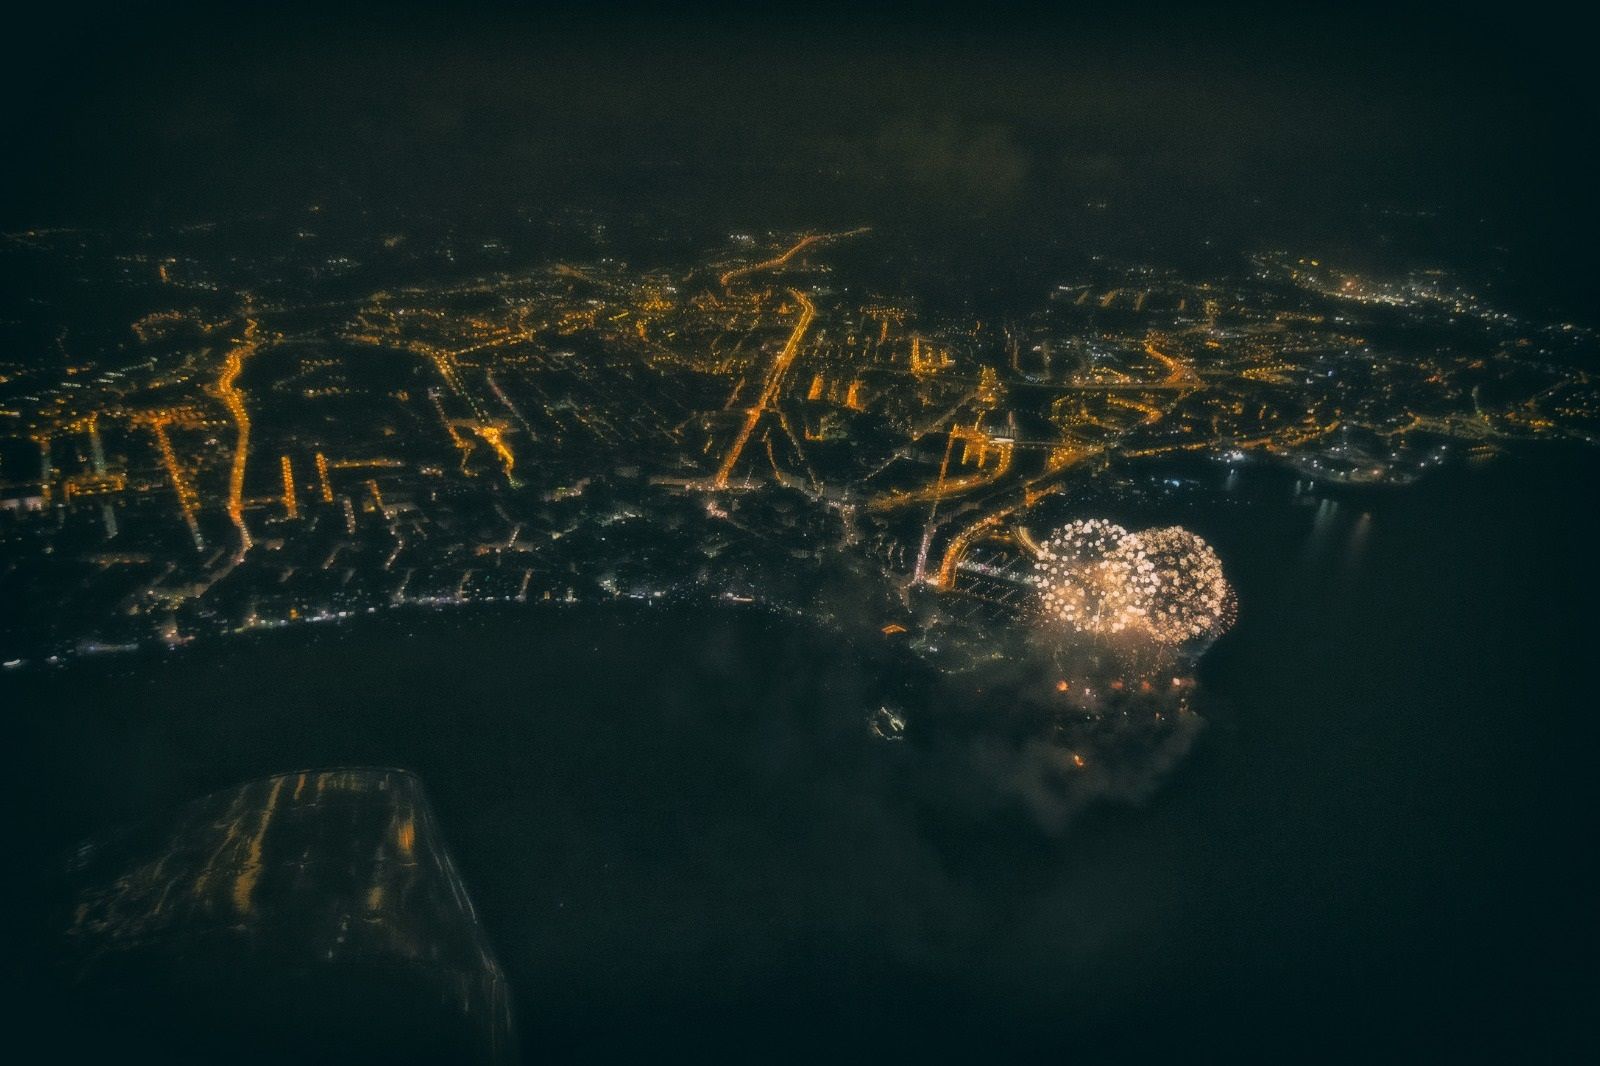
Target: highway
(769,392)
(234,399)
(773,264)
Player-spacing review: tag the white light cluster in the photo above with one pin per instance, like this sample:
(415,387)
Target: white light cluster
(1165,584)
(1189,596)
(1087,579)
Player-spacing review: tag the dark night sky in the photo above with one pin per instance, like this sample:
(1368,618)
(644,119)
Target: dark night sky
(174,108)
(1252,123)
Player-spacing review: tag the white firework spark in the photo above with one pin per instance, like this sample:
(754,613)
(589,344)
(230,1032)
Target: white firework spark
(1089,580)
(1188,596)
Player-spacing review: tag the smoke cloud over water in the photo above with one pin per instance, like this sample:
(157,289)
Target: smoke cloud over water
(1088,695)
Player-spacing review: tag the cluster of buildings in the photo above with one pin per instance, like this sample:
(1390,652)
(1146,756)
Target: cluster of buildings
(231,443)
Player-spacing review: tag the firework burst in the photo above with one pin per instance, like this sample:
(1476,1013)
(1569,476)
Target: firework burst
(1089,580)
(1187,595)
(1165,584)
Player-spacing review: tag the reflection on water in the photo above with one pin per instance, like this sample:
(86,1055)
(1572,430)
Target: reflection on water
(319,906)
(1338,529)
(1323,525)
(1355,543)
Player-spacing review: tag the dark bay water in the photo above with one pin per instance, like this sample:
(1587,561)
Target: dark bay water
(682,838)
